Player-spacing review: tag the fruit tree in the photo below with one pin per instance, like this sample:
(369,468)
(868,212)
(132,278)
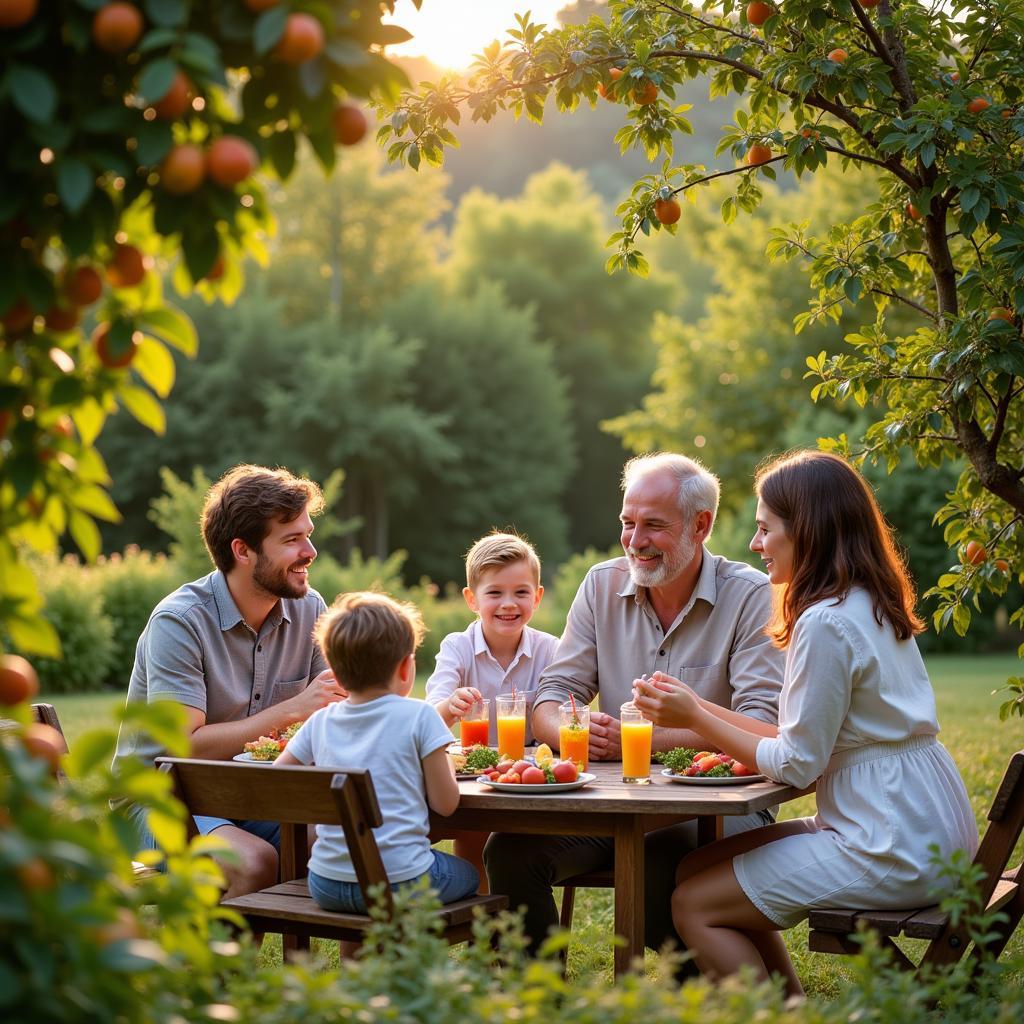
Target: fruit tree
(927,97)
(134,134)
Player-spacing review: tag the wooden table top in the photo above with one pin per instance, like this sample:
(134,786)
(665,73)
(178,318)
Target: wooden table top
(609,794)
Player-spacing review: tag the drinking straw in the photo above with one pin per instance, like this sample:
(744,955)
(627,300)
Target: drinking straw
(575,716)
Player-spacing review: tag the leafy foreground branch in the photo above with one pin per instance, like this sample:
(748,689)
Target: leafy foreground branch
(80,943)
(924,97)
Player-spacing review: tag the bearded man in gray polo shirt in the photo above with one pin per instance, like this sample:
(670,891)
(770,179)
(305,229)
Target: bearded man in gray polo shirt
(235,648)
(668,604)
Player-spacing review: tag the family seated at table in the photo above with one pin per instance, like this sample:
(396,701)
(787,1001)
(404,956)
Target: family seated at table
(827,686)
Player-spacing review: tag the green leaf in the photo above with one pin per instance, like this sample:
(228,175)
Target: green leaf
(89,418)
(95,501)
(281,149)
(32,92)
(33,635)
(75,183)
(155,365)
(156,79)
(167,13)
(86,534)
(145,408)
(269,28)
(154,140)
(173,326)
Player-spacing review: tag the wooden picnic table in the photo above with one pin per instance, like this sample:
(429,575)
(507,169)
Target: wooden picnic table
(609,807)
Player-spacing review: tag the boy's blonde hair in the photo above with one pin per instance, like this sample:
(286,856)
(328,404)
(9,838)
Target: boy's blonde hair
(365,636)
(497,550)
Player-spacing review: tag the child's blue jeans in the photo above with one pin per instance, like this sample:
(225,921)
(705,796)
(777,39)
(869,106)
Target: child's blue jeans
(451,877)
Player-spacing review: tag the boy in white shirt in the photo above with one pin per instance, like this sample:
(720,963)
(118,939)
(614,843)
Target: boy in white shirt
(498,652)
(369,640)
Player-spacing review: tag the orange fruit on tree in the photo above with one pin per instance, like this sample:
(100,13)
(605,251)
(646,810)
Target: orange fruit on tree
(1001,313)
(14,13)
(44,742)
(177,100)
(975,553)
(35,874)
(667,211)
(303,39)
(18,680)
(349,124)
(19,317)
(125,926)
(978,104)
(759,12)
(954,76)
(216,272)
(62,318)
(5,422)
(117,27)
(1002,565)
(758,154)
(838,55)
(83,286)
(645,94)
(183,169)
(913,212)
(1007,112)
(110,359)
(868,3)
(230,160)
(127,268)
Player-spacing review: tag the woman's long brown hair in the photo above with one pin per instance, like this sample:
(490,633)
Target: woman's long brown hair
(840,540)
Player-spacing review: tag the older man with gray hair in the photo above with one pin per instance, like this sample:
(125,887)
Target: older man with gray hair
(667,604)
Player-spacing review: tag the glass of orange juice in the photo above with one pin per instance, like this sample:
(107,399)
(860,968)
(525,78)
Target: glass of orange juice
(475,725)
(574,734)
(636,745)
(511,708)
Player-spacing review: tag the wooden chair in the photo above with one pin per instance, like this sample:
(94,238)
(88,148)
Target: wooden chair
(1002,889)
(588,880)
(298,796)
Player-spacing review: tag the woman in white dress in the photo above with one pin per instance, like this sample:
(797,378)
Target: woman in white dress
(857,714)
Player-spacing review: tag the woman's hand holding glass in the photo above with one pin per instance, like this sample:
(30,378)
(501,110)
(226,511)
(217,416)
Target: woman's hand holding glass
(666,701)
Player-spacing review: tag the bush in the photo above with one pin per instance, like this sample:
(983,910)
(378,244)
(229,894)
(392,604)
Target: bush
(73,604)
(130,586)
(558,596)
(177,512)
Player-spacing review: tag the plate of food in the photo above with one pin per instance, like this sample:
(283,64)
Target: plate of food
(705,768)
(470,762)
(711,780)
(582,779)
(248,758)
(266,748)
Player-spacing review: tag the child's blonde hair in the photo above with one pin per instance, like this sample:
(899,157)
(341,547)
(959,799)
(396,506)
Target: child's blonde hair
(497,550)
(365,636)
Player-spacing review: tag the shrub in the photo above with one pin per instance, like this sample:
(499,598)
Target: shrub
(73,604)
(559,594)
(177,512)
(131,585)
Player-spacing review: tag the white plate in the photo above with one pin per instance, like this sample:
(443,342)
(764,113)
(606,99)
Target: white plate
(547,787)
(727,780)
(248,758)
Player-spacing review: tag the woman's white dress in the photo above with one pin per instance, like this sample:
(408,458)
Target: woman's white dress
(857,713)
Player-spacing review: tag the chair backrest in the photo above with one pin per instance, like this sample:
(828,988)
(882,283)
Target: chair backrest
(46,714)
(294,795)
(1006,821)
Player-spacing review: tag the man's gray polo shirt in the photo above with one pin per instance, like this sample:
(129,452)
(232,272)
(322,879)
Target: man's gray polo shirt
(197,650)
(717,643)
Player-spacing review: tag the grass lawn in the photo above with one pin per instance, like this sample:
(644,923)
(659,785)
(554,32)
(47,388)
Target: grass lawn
(971,729)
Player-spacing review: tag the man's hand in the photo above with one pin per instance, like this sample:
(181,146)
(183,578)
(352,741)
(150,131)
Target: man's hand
(324,689)
(605,737)
(462,700)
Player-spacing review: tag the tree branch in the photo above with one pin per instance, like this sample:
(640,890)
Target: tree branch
(933,316)
(894,167)
(897,74)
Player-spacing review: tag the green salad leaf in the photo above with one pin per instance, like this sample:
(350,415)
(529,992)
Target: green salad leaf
(480,758)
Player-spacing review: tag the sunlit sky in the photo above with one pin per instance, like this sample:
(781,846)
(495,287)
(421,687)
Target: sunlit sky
(451,32)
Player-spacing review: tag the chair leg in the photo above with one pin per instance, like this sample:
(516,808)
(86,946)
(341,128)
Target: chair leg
(568,899)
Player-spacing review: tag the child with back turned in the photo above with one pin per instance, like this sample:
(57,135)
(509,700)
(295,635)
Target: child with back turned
(499,651)
(369,640)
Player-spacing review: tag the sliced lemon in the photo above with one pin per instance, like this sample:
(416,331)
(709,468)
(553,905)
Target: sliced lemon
(543,756)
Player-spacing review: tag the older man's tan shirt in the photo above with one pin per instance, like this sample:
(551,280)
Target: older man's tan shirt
(717,644)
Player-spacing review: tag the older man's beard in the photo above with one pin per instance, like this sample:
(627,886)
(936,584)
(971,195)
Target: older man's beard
(277,582)
(673,563)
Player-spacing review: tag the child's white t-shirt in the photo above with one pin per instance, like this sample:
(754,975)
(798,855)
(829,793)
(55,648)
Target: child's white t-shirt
(390,736)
